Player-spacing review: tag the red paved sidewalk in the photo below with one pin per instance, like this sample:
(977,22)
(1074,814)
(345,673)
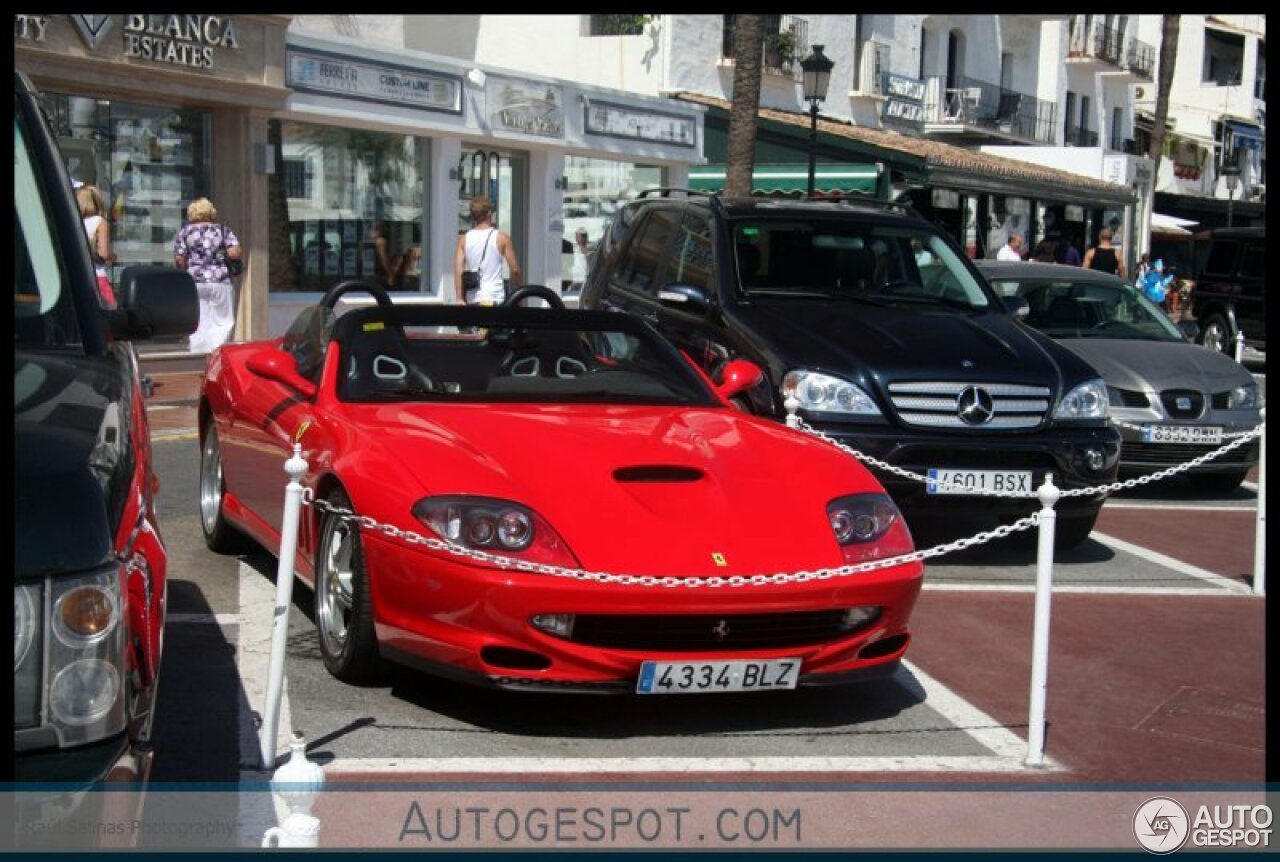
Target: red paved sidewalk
(171,409)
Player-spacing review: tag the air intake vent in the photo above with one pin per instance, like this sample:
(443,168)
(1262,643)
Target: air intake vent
(657,473)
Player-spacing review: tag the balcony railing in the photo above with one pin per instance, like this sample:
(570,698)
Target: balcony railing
(783,47)
(1078,137)
(982,105)
(1092,38)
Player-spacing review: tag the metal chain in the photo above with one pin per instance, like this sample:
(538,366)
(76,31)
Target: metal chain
(413,538)
(1089,490)
(1226,435)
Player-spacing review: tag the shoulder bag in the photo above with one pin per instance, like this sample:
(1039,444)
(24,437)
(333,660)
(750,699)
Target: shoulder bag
(234,267)
(471,277)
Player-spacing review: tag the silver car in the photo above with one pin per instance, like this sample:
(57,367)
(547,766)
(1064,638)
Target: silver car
(1171,399)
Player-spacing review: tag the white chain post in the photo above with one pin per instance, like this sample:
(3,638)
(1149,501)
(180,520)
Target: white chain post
(295,467)
(1260,526)
(1240,346)
(792,404)
(297,782)
(1049,495)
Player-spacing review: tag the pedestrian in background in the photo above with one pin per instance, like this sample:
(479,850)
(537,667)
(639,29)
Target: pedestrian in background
(92,212)
(209,251)
(1103,257)
(1067,254)
(581,259)
(1011,250)
(1046,252)
(477,264)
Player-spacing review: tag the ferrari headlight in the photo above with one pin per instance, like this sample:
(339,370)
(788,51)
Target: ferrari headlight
(1086,401)
(1246,396)
(828,394)
(868,527)
(483,523)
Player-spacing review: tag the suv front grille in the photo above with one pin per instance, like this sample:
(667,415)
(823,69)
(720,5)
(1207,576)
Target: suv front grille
(936,405)
(720,632)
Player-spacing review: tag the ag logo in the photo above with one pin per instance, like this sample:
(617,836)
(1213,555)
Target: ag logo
(1161,825)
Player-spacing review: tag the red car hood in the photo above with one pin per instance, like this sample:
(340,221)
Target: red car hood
(753,491)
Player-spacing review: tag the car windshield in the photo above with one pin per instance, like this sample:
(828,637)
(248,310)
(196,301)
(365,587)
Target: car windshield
(1065,308)
(43,310)
(852,260)
(511,355)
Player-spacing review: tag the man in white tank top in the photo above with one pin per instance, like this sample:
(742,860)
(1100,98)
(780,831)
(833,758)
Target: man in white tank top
(482,250)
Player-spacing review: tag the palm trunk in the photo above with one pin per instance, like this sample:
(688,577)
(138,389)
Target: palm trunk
(748,50)
(1164,83)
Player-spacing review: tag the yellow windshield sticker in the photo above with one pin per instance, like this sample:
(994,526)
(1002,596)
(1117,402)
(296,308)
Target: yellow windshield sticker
(374,326)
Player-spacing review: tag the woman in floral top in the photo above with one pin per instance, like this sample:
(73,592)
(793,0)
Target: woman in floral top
(202,248)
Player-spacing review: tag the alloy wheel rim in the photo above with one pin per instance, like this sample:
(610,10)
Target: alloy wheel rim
(1214,337)
(335,588)
(210,482)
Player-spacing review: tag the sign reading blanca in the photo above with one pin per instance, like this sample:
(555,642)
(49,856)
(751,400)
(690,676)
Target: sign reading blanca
(182,40)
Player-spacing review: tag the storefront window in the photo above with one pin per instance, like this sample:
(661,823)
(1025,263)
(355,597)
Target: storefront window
(500,176)
(148,161)
(350,206)
(596,188)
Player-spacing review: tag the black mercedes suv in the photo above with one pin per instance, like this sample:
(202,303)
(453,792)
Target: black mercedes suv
(885,333)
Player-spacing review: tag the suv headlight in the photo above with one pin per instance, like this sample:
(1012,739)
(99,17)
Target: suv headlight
(1086,401)
(1244,396)
(828,394)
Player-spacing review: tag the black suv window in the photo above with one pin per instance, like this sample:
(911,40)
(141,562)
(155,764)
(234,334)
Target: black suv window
(1222,257)
(1251,261)
(691,260)
(639,266)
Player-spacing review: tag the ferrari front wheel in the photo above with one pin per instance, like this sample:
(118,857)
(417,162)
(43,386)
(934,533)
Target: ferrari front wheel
(219,536)
(344,613)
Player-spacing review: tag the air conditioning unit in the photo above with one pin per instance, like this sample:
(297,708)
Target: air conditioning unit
(875,64)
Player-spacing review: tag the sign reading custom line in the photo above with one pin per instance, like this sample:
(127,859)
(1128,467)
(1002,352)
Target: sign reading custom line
(321,72)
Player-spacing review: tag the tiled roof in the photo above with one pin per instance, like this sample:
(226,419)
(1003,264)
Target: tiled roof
(932,152)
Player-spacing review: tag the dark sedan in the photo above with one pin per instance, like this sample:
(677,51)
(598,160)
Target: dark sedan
(1172,400)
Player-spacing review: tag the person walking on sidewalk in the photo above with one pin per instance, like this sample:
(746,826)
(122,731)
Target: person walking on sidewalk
(93,213)
(203,248)
(1103,257)
(477,265)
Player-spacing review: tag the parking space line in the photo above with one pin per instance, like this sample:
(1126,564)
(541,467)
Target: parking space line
(253,656)
(1235,506)
(1170,563)
(205,619)
(1084,589)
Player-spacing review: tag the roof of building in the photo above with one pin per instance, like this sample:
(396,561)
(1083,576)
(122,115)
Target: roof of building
(933,153)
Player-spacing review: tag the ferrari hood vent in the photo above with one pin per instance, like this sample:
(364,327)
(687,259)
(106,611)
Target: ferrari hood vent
(667,473)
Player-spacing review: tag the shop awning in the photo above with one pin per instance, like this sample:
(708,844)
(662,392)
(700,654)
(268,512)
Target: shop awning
(790,178)
(1246,135)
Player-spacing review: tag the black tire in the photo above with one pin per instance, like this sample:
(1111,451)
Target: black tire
(219,536)
(1220,482)
(344,613)
(1215,333)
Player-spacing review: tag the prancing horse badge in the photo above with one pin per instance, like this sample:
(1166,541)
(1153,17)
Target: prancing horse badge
(718,559)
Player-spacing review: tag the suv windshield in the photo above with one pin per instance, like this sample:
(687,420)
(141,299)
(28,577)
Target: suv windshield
(851,260)
(43,311)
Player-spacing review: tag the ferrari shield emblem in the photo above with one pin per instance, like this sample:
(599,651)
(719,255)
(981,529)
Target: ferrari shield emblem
(302,429)
(718,559)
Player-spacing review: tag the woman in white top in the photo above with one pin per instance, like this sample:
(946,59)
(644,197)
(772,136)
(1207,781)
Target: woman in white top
(92,206)
(482,250)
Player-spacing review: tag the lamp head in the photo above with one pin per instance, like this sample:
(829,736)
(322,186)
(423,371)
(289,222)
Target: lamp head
(817,74)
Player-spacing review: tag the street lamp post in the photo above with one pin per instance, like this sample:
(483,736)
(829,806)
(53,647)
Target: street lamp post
(817,75)
(1231,173)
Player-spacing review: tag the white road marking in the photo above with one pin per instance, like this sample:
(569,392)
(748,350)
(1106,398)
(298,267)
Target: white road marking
(1081,589)
(1228,507)
(1171,563)
(197,619)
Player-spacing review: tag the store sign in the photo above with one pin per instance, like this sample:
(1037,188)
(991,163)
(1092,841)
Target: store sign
(619,121)
(525,107)
(905,99)
(320,72)
(178,40)
(1073,212)
(946,199)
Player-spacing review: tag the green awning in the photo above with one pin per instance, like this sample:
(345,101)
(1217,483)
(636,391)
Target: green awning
(772,179)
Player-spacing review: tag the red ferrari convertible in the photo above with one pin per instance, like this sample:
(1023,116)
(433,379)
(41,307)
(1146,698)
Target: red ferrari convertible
(577,440)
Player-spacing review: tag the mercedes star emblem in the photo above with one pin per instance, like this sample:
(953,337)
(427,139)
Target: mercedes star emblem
(974,406)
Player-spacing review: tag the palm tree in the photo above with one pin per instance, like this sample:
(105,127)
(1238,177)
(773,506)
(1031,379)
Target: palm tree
(1164,83)
(748,51)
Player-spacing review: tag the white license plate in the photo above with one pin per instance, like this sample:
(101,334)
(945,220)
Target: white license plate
(943,481)
(708,677)
(1210,434)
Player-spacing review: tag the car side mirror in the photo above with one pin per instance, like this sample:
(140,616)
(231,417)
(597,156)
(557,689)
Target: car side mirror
(738,376)
(154,302)
(684,297)
(1017,306)
(275,364)
(1190,329)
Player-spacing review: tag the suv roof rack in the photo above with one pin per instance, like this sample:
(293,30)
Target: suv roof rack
(665,191)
